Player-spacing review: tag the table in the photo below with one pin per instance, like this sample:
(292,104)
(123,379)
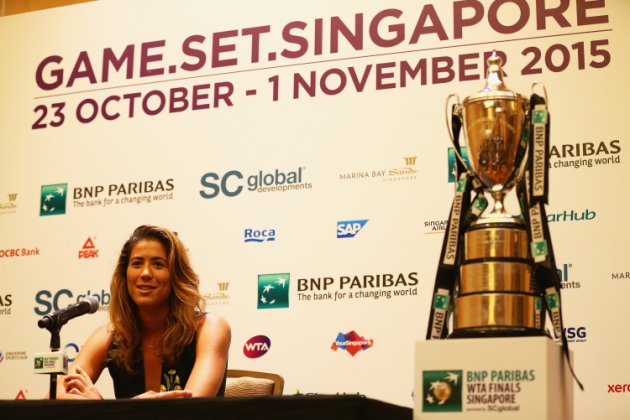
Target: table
(289,407)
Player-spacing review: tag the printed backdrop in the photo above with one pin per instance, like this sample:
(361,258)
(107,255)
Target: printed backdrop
(299,150)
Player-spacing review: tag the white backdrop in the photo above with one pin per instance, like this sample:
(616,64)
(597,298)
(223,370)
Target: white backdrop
(347,127)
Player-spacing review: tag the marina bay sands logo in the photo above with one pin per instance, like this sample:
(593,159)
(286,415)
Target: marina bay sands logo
(53,199)
(442,391)
(273,291)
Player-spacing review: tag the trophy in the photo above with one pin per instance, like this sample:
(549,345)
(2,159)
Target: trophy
(495,294)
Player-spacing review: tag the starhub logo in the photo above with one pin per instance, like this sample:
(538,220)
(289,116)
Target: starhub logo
(53,199)
(233,182)
(572,216)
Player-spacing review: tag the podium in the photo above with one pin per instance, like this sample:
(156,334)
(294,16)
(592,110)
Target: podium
(516,378)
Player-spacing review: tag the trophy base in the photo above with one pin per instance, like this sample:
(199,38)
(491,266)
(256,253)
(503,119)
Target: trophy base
(496,332)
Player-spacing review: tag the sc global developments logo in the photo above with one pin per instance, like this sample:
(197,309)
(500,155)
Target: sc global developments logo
(231,183)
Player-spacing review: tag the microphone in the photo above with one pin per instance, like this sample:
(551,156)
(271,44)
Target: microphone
(57,319)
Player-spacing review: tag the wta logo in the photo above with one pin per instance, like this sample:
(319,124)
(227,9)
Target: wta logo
(257,346)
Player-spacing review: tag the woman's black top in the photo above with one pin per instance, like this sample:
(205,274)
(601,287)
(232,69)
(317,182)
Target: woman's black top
(174,377)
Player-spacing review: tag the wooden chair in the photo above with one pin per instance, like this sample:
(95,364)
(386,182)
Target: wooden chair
(250,383)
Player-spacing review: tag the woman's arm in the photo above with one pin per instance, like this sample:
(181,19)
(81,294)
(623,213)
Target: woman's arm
(86,368)
(213,343)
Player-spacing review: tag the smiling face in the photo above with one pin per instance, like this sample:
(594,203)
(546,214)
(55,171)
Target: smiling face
(148,274)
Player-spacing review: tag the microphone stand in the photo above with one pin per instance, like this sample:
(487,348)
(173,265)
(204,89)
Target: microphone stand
(55,345)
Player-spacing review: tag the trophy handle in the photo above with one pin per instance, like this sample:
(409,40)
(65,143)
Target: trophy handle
(546,96)
(449,126)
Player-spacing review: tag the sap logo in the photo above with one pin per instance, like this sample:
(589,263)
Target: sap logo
(260,235)
(574,334)
(349,228)
(72,351)
(49,302)
(257,346)
(231,185)
(88,250)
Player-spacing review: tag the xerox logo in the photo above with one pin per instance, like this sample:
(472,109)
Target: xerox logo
(349,228)
(89,250)
(260,235)
(231,183)
(351,342)
(618,388)
(257,346)
(53,199)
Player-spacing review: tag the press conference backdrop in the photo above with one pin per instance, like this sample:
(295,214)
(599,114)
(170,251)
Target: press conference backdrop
(300,145)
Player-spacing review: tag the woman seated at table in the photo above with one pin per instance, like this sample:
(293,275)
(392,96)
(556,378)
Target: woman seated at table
(159,342)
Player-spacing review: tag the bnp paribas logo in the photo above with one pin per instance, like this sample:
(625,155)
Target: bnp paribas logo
(442,391)
(273,291)
(53,199)
(452,160)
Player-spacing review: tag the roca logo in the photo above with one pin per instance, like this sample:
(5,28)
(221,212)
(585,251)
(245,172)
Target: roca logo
(260,235)
(49,302)
(257,346)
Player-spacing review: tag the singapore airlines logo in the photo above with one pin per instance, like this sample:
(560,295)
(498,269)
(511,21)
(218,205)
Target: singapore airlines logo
(273,291)
(53,199)
(442,390)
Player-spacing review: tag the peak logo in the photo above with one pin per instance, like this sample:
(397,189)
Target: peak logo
(442,391)
(349,228)
(89,250)
(231,183)
(351,342)
(572,216)
(260,235)
(257,346)
(273,291)
(53,199)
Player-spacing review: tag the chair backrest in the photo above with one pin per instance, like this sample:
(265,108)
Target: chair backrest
(249,383)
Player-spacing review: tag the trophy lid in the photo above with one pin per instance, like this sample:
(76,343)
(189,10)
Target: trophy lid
(495,86)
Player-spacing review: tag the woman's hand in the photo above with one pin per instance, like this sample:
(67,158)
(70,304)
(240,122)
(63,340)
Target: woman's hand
(78,385)
(166,394)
